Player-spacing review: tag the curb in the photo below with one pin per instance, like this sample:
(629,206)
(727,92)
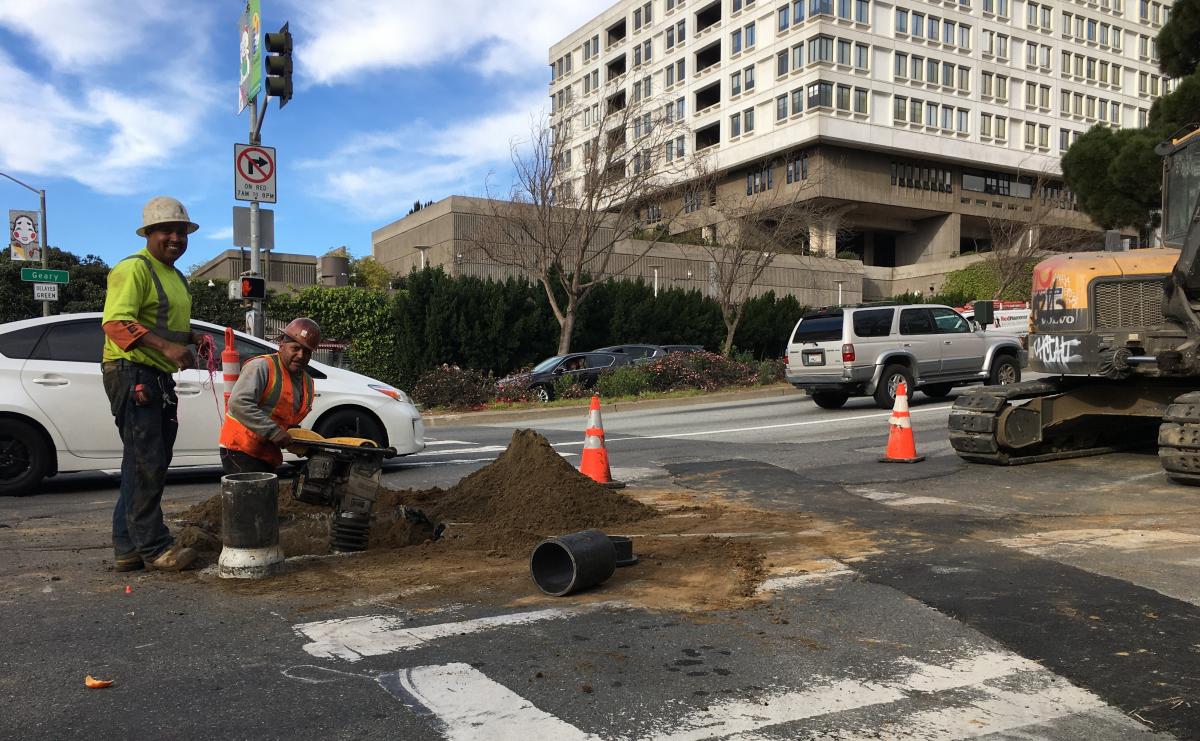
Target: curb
(466,419)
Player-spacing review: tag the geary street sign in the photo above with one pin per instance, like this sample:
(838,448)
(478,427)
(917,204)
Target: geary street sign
(42,275)
(253,173)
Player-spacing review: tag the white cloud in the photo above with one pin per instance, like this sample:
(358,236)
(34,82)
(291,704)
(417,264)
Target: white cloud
(423,161)
(80,32)
(342,39)
(224,234)
(107,128)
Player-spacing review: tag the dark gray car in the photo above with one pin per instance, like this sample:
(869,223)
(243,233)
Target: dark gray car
(636,353)
(585,367)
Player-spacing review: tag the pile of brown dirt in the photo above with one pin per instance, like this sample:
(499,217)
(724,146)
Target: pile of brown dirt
(529,492)
(207,514)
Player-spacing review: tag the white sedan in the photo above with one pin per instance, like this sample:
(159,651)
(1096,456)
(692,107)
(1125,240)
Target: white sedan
(55,416)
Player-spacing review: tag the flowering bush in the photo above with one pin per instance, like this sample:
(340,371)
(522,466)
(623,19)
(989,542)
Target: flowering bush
(624,380)
(511,393)
(454,388)
(567,387)
(771,371)
(699,370)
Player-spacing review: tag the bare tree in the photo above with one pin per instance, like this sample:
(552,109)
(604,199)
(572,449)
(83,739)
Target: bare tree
(1021,236)
(749,229)
(574,201)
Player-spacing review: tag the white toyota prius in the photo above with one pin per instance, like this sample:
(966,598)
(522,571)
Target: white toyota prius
(55,416)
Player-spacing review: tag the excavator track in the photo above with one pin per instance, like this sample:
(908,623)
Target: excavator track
(1179,440)
(975,425)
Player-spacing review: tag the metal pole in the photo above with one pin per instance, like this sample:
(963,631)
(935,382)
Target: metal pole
(45,256)
(258,329)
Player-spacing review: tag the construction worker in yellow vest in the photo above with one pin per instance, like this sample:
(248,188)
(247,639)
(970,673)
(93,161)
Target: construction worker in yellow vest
(273,394)
(147,328)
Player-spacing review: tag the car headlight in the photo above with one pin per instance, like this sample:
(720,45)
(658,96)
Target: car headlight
(396,394)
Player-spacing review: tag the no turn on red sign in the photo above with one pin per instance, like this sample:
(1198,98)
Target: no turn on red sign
(253,173)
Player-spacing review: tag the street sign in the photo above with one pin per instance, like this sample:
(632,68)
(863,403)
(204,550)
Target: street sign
(42,275)
(45,291)
(253,173)
(250,54)
(241,227)
(23,236)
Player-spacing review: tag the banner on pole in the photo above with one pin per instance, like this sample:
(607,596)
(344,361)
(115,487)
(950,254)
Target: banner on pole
(24,236)
(250,54)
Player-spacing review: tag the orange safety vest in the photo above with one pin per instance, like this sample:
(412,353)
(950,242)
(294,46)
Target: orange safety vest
(279,397)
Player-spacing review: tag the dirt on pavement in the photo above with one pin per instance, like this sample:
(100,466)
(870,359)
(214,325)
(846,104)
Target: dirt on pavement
(694,554)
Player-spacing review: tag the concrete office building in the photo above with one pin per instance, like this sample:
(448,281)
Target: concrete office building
(284,271)
(929,117)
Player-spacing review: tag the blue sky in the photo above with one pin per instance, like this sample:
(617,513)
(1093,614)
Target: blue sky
(106,104)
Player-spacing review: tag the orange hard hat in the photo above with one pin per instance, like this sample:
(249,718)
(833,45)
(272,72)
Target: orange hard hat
(303,331)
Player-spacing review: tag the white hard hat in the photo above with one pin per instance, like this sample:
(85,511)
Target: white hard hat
(164,210)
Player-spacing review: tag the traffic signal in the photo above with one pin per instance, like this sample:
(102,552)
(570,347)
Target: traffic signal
(279,65)
(247,288)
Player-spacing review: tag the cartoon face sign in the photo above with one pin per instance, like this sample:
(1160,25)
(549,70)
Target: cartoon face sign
(24,231)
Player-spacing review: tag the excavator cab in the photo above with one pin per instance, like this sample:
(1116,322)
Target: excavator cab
(1181,187)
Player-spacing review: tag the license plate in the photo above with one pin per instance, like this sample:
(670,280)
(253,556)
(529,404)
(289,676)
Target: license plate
(814,357)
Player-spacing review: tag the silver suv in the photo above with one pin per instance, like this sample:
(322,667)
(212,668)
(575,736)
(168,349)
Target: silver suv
(867,350)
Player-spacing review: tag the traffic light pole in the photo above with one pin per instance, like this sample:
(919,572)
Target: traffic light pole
(255,320)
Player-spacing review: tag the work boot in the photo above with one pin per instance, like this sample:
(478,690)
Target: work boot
(175,558)
(128,562)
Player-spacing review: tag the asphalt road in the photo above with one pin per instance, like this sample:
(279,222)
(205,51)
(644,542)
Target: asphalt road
(1052,601)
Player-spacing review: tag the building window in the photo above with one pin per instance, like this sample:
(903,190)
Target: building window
(797,168)
(782,15)
(964,119)
(735,83)
(901,66)
(735,46)
(820,94)
(985,125)
(860,100)
(797,101)
(781,107)
(899,109)
(820,49)
(748,78)
(748,120)
(781,63)
(735,125)
(798,56)
(843,52)
(918,24)
(861,55)
(760,180)
(862,11)
(843,97)
(901,21)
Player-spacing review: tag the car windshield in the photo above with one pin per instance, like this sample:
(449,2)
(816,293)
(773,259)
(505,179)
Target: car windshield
(546,364)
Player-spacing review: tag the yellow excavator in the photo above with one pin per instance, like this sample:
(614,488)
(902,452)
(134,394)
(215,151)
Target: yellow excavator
(1120,332)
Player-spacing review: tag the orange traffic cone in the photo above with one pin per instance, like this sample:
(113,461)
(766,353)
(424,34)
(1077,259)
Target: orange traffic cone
(901,447)
(593,463)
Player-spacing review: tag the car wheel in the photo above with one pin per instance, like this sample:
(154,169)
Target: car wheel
(830,399)
(352,423)
(885,393)
(938,391)
(24,458)
(542,393)
(1004,371)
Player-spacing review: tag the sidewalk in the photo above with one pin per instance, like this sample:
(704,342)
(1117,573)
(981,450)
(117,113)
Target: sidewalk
(466,419)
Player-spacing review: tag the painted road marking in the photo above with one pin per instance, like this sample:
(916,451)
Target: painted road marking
(728,430)
(460,461)
(833,571)
(373,635)
(432,441)
(464,705)
(455,451)
(1041,696)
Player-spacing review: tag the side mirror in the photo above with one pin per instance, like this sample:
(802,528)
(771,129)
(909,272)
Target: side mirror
(974,325)
(984,313)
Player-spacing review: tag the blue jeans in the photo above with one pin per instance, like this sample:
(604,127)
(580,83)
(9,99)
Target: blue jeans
(148,431)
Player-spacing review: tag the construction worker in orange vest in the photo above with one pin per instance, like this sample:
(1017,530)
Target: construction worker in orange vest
(272,395)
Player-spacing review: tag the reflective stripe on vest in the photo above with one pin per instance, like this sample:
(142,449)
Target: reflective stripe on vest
(278,399)
(164,306)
